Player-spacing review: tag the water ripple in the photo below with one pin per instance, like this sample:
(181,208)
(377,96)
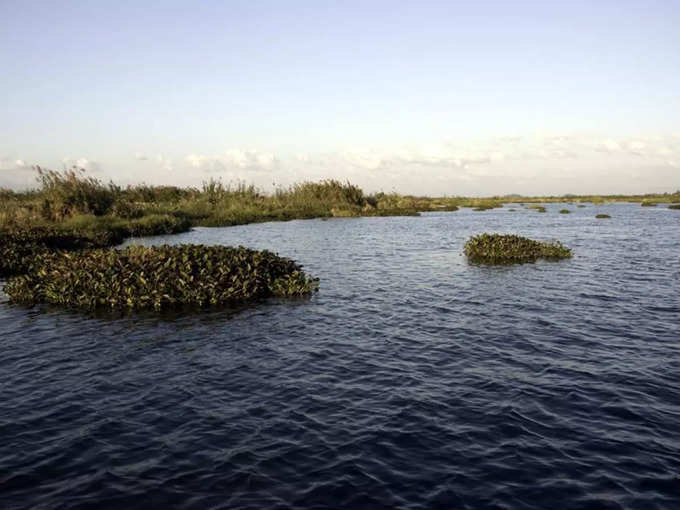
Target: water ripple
(412,380)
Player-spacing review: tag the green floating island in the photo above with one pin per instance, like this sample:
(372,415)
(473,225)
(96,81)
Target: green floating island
(512,249)
(674,206)
(565,211)
(158,277)
(602,216)
(538,208)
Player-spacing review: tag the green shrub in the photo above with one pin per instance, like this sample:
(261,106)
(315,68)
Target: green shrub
(68,193)
(139,277)
(510,249)
(602,216)
(127,209)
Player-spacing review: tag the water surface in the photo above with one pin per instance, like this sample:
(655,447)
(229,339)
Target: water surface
(411,380)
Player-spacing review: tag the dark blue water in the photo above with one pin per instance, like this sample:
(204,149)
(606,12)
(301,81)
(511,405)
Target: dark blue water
(411,380)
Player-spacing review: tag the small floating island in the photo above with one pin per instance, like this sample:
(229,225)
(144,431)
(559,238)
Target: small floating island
(512,249)
(158,277)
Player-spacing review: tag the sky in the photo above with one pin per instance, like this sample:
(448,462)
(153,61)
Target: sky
(422,97)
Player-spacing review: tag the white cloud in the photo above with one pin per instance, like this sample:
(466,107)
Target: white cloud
(610,145)
(233,160)
(164,163)
(8,163)
(84,163)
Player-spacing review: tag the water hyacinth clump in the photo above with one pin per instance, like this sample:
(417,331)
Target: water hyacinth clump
(602,216)
(565,211)
(21,248)
(512,249)
(159,277)
(538,208)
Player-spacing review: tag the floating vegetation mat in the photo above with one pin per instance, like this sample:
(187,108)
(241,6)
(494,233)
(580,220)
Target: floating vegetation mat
(674,206)
(20,249)
(602,216)
(159,277)
(512,249)
(565,211)
(538,208)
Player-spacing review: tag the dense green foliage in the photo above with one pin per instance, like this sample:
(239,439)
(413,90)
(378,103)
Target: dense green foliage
(20,246)
(538,208)
(602,216)
(674,206)
(20,249)
(565,211)
(139,277)
(70,192)
(511,249)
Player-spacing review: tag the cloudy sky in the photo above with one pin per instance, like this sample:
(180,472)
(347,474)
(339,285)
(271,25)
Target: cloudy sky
(428,97)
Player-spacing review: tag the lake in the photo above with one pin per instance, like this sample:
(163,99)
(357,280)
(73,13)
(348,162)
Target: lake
(412,379)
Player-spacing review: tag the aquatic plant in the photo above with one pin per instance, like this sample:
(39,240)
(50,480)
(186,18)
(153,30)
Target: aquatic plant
(602,216)
(538,208)
(139,277)
(674,206)
(580,205)
(647,203)
(510,249)
(565,211)
(20,249)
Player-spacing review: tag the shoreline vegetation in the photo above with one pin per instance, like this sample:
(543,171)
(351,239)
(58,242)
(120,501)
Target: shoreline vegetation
(71,212)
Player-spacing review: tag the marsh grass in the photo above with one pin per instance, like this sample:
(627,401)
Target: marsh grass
(498,249)
(159,277)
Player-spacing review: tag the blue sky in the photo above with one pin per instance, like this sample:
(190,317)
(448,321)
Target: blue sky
(428,97)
